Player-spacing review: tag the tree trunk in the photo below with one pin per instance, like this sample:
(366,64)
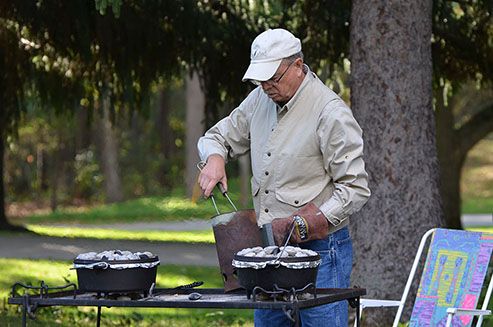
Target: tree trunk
(450,159)
(4,223)
(195,107)
(391,95)
(109,155)
(166,136)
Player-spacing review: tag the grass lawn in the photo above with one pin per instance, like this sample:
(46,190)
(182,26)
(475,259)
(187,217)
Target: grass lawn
(477,178)
(206,236)
(57,273)
(171,207)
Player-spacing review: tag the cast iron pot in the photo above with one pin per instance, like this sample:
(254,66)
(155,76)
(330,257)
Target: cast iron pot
(277,274)
(102,278)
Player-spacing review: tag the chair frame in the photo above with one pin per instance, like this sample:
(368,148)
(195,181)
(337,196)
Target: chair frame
(451,312)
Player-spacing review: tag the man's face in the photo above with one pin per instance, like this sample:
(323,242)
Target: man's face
(286,80)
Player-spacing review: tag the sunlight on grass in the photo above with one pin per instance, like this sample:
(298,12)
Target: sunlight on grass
(477,178)
(175,203)
(58,273)
(206,236)
(172,207)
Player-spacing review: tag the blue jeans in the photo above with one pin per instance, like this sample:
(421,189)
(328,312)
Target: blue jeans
(334,272)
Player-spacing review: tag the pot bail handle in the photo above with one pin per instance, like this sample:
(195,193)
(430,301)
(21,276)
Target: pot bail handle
(221,188)
(96,265)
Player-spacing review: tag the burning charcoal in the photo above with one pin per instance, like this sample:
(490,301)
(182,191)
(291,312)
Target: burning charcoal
(285,254)
(244,251)
(149,254)
(118,252)
(310,252)
(87,256)
(290,250)
(271,249)
(249,254)
(257,249)
(143,256)
(261,254)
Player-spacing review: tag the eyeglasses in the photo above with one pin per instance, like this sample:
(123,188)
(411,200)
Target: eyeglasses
(272,82)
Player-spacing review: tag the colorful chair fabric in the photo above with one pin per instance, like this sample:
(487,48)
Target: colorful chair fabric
(451,282)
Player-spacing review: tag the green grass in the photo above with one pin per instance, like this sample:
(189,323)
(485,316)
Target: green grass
(172,207)
(56,273)
(206,236)
(477,178)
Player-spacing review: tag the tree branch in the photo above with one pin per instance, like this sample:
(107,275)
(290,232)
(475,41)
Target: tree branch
(476,129)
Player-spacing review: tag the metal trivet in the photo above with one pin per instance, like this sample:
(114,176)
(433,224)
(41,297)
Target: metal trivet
(43,294)
(284,295)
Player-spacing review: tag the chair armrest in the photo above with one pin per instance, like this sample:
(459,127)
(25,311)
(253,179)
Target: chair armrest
(373,303)
(468,312)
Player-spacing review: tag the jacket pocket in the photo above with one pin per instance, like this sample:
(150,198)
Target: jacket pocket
(299,179)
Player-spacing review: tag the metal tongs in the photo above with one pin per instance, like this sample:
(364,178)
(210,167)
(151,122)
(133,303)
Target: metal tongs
(220,186)
(276,261)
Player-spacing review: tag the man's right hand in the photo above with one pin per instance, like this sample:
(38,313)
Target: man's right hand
(212,173)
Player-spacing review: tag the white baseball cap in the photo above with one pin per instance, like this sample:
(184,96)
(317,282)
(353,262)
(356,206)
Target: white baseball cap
(268,50)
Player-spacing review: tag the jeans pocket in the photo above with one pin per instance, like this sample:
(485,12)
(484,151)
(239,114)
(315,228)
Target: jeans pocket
(325,275)
(345,254)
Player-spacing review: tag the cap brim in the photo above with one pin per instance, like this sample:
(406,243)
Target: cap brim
(261,71)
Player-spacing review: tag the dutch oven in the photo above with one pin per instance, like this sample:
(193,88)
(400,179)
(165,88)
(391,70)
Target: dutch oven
(127,275)
(285,272)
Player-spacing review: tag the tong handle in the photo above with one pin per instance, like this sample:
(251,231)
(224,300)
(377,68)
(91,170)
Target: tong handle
(221,188)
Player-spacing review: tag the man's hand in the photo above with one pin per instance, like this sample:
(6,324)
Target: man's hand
(213,173)
(311,224)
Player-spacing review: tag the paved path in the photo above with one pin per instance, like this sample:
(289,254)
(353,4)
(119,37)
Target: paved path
(20,245)
(484,219)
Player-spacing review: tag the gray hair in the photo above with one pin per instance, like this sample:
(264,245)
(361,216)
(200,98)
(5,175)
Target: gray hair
(292,58)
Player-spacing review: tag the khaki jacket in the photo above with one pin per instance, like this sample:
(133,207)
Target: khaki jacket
(309,150)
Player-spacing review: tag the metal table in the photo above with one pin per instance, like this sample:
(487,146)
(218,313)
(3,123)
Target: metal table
(211,299)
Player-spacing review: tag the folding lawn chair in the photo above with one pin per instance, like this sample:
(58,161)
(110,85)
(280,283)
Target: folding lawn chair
(450,286)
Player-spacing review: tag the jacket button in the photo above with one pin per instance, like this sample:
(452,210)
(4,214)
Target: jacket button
(268,154)
(266,173)
(266,210)
(296,201)
(266,191)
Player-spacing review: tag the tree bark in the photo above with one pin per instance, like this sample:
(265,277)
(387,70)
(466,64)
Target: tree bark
(453,146)
(4,223)
(391,96)
(109,155)
(166,136)
(451,160)
(195,108)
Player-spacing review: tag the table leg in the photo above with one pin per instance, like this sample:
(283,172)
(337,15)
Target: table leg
(25,304)
(24,314)
(98,323)
(357,312)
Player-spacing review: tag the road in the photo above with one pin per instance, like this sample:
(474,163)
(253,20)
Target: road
(31,246)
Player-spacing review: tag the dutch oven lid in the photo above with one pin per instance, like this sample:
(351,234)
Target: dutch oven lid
(142,260)
(115,259)
(288,262)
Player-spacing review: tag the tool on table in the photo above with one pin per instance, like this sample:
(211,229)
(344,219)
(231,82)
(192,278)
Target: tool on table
(172,290)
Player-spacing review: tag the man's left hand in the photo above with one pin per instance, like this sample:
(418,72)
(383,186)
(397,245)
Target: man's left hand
(311,224)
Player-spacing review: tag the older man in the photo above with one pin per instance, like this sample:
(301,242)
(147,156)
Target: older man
(306,151)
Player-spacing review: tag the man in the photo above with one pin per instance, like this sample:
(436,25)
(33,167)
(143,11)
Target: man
(306,152)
